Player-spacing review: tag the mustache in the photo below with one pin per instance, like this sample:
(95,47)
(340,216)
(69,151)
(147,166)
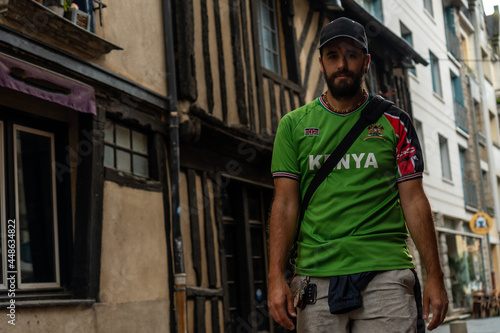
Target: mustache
(343,73)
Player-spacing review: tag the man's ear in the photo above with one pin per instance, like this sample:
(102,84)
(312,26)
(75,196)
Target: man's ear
(367,63)
(321,64)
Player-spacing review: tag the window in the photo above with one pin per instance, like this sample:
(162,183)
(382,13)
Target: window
(428,7)
(469,184)
(436,78)
(445,158)
(126,150)
(35,209)
(486,65)
(374,7)
(407,36)
(269,36)
(420,135)
(461,114)
(452,40)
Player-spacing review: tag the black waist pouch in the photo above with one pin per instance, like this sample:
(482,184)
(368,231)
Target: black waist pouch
(344,291)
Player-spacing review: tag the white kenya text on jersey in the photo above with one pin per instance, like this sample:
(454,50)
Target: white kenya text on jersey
(345,162)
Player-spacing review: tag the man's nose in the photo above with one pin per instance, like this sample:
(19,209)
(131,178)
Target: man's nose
(343,63)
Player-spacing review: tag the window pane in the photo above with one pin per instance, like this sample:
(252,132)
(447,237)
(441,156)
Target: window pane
(436,77)
(123,160)
(141,167)
(108,132)
(36,220)
(268,60)
(122,137)
(109,156)
(139,142)
(445,158)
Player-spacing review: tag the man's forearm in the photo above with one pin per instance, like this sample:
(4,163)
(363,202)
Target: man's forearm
(281,235)
(282,224)
(418,216)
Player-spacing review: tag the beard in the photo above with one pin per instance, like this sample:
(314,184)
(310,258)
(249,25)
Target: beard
(344,89)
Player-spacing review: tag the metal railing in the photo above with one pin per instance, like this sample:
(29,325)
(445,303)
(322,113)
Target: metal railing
(461,116)
(471,197)
(453,43)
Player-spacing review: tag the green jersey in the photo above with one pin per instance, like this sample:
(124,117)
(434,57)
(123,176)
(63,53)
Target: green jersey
(354,222)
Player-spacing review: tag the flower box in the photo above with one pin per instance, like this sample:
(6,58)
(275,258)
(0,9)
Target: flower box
(78,17)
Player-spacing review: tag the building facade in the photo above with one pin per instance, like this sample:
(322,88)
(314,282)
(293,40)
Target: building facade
(135,149)
(457,119)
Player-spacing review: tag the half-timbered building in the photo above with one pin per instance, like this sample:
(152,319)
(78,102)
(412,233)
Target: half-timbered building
(135,149)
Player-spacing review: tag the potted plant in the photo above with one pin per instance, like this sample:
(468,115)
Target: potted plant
(58,6)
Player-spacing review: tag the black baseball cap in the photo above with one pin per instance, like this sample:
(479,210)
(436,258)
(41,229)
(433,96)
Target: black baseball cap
(344,27)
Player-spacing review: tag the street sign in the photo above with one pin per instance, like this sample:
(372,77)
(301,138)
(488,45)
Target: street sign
(480,223)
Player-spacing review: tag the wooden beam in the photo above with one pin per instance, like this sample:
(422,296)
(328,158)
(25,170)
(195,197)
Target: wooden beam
(291,46)
(195,224)
(291,96)
(283,110)
(305,29)
(273,110)
(209,82)
(238,62)
(215,315)
(193,291)
(200,324)
(313,50)
(184,45)
(246,53)
(254,9)
(209,234)
(220,54)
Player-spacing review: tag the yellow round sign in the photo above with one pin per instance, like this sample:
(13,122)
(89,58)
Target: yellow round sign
(480,223)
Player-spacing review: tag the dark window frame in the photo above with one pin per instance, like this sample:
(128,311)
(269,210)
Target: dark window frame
(129,178)
(11,119)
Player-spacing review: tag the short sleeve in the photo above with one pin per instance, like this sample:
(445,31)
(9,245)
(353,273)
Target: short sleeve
(285,158)
(409,151)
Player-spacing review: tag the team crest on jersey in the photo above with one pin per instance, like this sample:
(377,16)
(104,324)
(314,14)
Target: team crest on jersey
(375,131)
(311,131)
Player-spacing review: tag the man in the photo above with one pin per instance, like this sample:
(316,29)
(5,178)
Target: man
(354,227)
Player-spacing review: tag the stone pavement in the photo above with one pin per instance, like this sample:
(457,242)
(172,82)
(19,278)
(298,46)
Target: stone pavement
(486,325)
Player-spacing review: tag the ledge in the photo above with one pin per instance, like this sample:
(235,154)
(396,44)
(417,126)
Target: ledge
(50,303)
(35,20)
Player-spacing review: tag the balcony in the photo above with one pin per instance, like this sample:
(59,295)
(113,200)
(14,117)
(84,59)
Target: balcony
(470,189)
(35,20)
(461,116)
(452,43)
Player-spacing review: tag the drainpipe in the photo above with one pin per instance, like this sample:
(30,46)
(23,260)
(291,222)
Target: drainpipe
(486,117)
(180,302)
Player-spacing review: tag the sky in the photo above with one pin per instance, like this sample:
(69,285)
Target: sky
(488,6)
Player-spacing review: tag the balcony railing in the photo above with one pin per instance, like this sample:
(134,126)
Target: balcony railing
(453,43)
(461,116)
(471,197)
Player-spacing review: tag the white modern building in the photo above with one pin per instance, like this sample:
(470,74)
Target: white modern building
(455,113)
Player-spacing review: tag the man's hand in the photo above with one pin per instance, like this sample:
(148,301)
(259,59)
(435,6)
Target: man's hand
(435,296)
(280,300)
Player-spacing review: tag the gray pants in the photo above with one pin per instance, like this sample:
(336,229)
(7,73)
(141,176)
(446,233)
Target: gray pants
(388,307)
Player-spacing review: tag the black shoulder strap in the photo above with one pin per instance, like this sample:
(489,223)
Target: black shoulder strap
(370,114)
